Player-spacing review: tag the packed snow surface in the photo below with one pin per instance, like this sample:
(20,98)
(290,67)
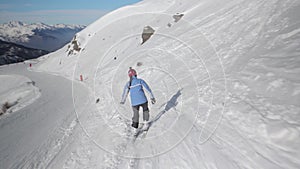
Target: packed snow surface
(225,75)
(16,92)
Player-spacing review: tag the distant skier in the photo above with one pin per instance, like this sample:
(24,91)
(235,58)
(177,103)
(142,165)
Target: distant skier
(135,87)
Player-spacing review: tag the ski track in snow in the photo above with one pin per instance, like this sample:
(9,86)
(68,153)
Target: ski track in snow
(51,136)
(255,43)
(228,139)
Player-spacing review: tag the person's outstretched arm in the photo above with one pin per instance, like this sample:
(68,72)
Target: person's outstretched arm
(145,85)
(125,93)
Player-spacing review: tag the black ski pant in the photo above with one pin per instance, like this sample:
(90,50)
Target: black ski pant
(135,118)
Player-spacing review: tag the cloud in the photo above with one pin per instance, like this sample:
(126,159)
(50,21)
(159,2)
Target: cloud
(54,16)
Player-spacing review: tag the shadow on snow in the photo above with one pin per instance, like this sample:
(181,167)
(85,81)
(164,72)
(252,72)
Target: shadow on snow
(172,103)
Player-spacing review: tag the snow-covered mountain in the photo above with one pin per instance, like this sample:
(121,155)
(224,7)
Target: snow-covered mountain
(225,74)
(13,53)
(38,35)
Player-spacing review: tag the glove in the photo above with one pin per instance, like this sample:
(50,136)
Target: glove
(153,100)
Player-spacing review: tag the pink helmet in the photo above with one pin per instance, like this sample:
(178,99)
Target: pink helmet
(131,72)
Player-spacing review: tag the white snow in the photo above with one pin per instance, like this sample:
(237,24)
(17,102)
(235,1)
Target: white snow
(38,35)
(16,92)
(225,77)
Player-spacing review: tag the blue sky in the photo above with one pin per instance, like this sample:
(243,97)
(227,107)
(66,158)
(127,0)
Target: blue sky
(58,11)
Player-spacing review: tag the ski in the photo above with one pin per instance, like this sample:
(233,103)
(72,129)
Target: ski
(141,132)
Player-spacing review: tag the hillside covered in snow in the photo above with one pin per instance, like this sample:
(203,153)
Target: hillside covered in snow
(225,74)
(38,35)
(13,53)
(16,92)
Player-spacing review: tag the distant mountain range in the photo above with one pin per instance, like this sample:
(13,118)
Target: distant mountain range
(38,35)
(21,41)
(13,53)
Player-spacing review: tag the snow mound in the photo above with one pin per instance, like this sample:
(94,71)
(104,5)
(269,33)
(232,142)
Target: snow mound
(16,92)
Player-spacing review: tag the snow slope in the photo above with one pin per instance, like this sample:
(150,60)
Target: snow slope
(32,137)
(38,35)
(225,76)
(16,92)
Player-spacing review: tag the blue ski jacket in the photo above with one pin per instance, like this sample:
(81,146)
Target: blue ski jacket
(136,90)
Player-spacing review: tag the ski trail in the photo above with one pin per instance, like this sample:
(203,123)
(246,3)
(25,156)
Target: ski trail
(81,152)
(118,157)
(134,163)
(81,156)
(114,159)
(39,146)
(43,156)
(234,30)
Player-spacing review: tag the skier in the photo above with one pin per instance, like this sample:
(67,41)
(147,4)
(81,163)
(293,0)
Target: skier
(135,87)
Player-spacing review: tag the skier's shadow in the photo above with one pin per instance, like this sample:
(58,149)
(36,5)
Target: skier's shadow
(172,103)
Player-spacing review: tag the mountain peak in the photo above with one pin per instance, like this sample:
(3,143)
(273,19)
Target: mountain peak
(31,35)
(16,23)
(40,24)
